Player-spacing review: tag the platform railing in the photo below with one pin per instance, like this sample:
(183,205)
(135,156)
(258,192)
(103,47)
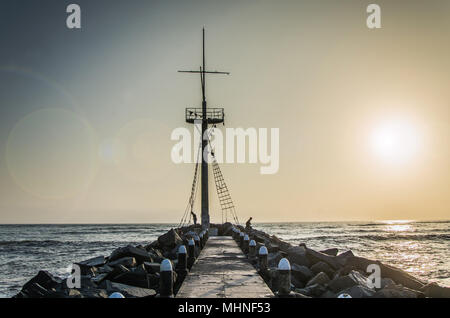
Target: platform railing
(213,115)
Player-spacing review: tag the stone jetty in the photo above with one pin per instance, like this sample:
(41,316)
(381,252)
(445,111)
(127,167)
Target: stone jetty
(135,271)
(223,271)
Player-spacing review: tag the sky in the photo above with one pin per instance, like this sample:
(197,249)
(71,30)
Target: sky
(86,114)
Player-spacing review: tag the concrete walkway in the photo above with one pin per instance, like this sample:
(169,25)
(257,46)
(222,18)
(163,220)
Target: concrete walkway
(223,271)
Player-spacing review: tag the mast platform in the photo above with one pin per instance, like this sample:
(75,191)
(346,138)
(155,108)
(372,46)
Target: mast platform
(213,115)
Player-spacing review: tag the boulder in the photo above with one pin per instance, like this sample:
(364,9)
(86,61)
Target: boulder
(85,282)
(140,269)
(130,291)
(172,254)
(398,291)
(74,293)
(105,269)
(352,279)
(298,250)
(346,254)
(92,293)
(342,258)
(322,267)
(44,280)
(153,281)
(156,256)
(343,271)
(99,278)
(259,238)
(93,262)
(358,291)
(274,258)
(132,279)
(87,271)
(330,251)
(34,290)
(435,291)
(315,257)
(321,278)
(272,248)
(315,290)
(283,246)
(328,294)
(170,240)
(298,295)
(124,261)
(119,269)
(152,245)
(296,283)
(301,273)
(386,282)
(140,254)
(297,254)
(152,268)
(399,276)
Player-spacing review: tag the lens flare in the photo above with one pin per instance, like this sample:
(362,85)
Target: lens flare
(51,153)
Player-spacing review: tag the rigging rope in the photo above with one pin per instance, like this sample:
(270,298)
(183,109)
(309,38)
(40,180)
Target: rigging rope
(223,193)
(190,205)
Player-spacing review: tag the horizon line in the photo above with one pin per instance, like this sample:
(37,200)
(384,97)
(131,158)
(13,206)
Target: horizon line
(266,222)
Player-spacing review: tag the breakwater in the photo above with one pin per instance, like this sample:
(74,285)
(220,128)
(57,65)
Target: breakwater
(134,270)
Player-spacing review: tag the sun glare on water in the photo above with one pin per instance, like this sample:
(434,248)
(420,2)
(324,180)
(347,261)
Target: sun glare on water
(399,225)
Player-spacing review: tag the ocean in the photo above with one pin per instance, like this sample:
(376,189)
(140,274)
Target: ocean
(420,248)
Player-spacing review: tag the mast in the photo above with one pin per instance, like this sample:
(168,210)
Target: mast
(205,192)
(208,116)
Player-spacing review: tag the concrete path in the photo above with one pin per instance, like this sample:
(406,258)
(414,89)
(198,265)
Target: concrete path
(223,271)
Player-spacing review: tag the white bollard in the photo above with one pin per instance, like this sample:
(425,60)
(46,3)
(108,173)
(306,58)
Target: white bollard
(284,277)
(182,258)
(252,249)
(246,243)
(197,241)
(166,279)
(262,257)
(241,239)
(191,253)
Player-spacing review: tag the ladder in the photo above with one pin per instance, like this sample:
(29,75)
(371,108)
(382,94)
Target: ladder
(223,193)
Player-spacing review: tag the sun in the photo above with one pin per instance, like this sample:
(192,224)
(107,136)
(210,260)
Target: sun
(396,141)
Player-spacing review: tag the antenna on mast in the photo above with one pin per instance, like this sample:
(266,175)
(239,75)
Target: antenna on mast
(203,70)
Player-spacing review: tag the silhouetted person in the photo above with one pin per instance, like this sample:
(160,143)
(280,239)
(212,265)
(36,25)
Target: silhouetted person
(194,217)
(248,224)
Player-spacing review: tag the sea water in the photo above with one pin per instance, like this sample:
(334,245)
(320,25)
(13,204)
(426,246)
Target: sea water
(420,248)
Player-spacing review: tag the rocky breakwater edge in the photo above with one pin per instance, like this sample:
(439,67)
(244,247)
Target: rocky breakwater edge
(129,272)
(302,272)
